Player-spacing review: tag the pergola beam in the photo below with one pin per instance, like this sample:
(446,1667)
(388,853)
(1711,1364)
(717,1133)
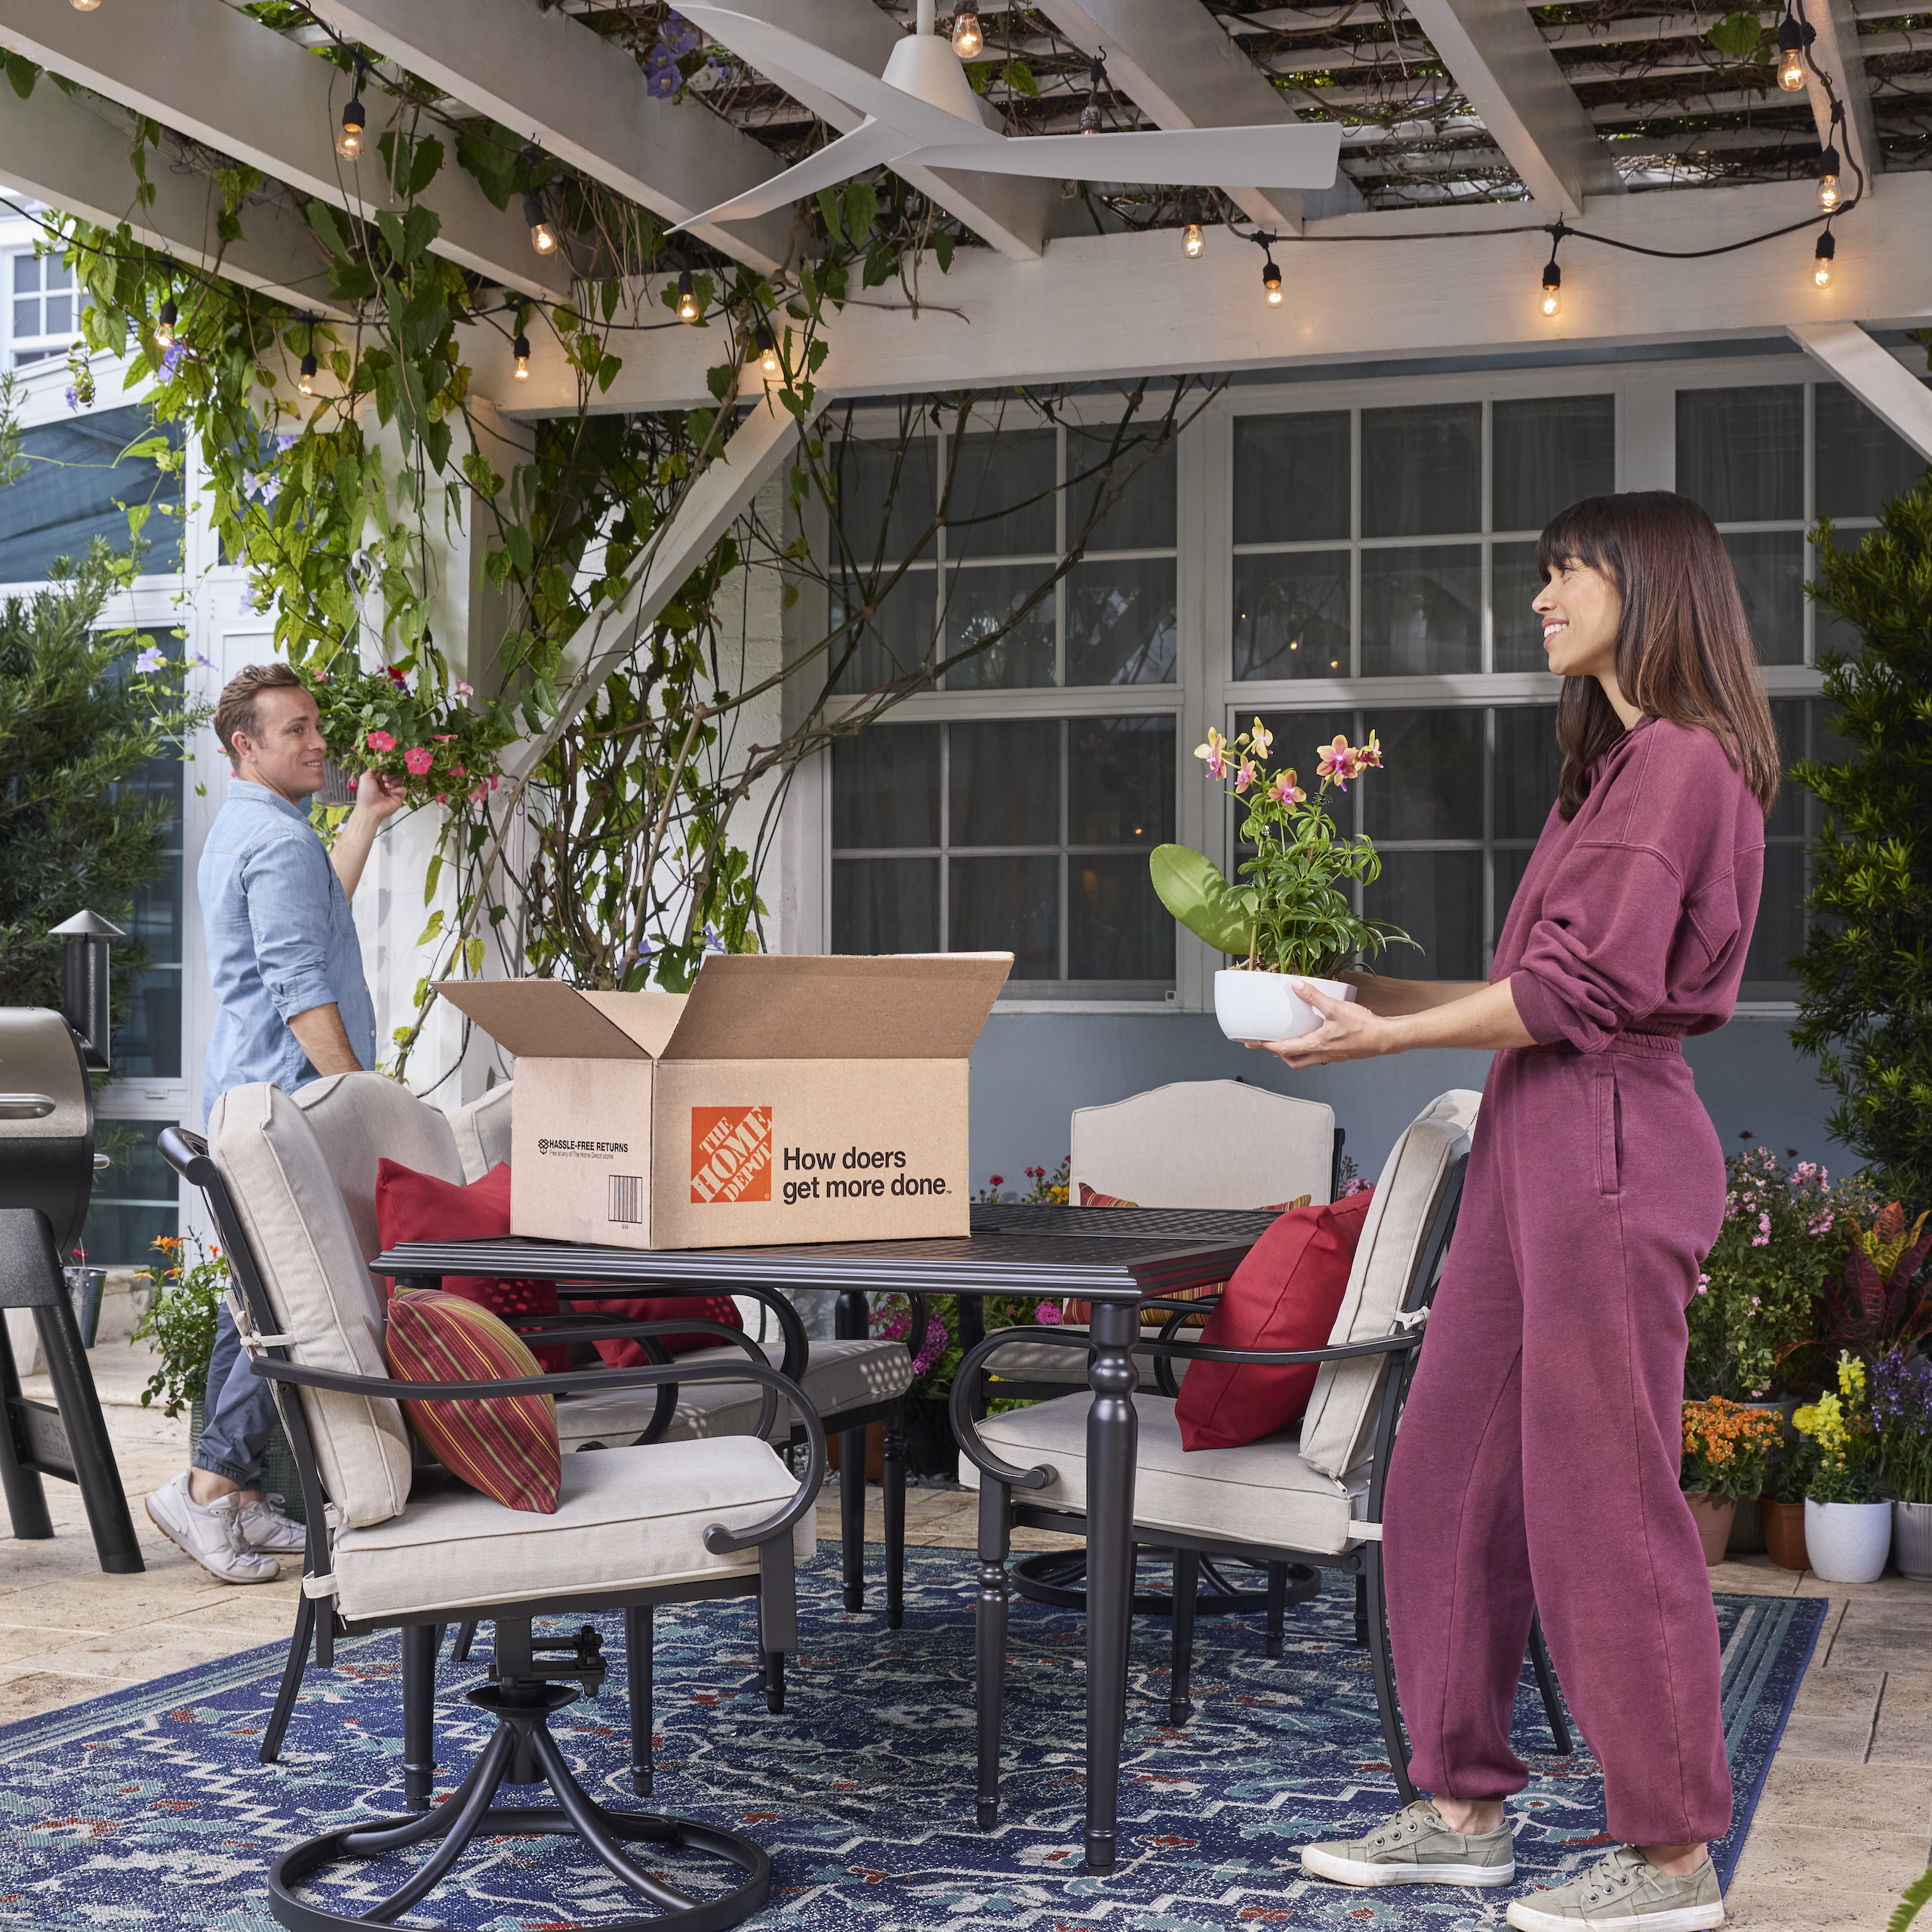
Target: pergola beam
(68,153)
(1175,61)
(1890,392)
(1838,52)
(1501,62)
(583,99)
(216,76)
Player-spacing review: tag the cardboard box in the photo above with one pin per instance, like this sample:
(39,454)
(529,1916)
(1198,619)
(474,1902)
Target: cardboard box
(781,1100)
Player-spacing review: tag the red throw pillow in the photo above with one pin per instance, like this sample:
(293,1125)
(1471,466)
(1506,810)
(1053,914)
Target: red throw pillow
(505,1445)
(417,1207)
(1285,1295)
(628,1353)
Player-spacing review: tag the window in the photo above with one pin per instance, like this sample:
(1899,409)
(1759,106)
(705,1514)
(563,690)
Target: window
(147,1045)
(135,1198)
(1030,836)
(45,308)
(76,487)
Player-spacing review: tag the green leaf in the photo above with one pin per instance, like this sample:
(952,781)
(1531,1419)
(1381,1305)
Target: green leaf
(1737,34)
(943,245)
(1019,77)
(430,931)
(1917,1894)
(472,953)
(21,74)
(429,158)
(329,228)
(1192,888)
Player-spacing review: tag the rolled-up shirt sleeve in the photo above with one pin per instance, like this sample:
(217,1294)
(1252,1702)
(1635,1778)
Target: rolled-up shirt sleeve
(1598,960)
(289,884)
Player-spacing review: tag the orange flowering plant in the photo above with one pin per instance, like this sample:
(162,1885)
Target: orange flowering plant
(188,1284)
(1726,1447)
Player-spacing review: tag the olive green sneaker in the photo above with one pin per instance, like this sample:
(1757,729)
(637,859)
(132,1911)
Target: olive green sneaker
(1416,1847)
(1626,1893)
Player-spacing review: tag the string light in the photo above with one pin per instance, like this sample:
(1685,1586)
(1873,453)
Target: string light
(1829,164)
(967,38)
(1270,280)
(355,118)
(520,349)
(1794,36)
(84,6)
(1089,115)
(1551,302)
(688,309)
(306,381)
(1822,260)
(1194,241)
(543,236)
(767,353)
(163,328)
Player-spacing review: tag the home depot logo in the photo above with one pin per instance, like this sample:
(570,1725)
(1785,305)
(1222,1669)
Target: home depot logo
(731,1154)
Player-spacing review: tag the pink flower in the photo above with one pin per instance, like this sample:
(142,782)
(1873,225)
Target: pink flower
(1215,751)
(444,738)
(463,690)
(1048,1315)
(998,1180)
(1337,763)
(419,760)
(1245,776)
(1285,791)
(459,772)
(396,677)
(381,741)
(493,781)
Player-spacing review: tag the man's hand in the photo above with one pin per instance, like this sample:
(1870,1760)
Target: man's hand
(1348,1031)
(379,794)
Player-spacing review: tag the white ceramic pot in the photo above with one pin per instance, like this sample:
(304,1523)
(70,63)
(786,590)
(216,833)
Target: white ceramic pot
(1848,1542)
(1912,1540)
(1259,1006)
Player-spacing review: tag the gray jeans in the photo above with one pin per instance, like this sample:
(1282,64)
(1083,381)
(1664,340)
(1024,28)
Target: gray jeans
(240,1411)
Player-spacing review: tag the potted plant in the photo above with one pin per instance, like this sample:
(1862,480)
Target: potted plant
(1847,1524)
(1726,1446)
(1781,1507)
(1296,920)
(1880,1298)
(1902,1413)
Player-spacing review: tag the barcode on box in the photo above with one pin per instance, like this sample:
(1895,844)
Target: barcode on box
(627,1197)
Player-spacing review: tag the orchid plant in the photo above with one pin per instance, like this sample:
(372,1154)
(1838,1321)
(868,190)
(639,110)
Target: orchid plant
(1297,914)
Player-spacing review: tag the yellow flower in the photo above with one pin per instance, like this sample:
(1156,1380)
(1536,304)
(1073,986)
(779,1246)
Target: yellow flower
(1851,1376)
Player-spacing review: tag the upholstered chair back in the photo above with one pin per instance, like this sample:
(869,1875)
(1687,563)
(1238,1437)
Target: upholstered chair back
(1205,1143)
(482,1130)
(317,1281)
(359,1119)
(1339,1417)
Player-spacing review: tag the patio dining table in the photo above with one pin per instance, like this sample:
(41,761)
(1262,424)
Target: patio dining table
(1109,1258)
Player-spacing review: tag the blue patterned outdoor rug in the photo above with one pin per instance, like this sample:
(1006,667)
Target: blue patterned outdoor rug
(147,1807)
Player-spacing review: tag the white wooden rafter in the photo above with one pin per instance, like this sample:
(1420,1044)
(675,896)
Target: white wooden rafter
(1890,392)
(1838,54)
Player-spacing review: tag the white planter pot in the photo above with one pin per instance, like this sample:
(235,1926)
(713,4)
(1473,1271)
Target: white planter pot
(1848,1542)
(1259,1006)
(1912,1540)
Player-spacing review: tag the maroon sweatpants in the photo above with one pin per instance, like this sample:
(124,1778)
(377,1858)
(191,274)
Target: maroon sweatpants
(1536,1466)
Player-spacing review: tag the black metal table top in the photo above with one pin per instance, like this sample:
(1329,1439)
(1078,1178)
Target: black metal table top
(1012,1250)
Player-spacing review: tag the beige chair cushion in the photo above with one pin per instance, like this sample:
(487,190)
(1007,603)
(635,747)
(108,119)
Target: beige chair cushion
(1336,1427)
(317,1284)
(1262,1492)
(482,1131)
(838,1375)
(1205,1143)
(627,1519)
(361,1119)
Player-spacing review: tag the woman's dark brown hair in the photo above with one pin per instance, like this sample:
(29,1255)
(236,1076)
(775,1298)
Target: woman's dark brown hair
(1684,651)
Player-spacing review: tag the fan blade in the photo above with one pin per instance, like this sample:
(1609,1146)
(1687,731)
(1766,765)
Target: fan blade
(775,53)
(871,144)
(1304,156)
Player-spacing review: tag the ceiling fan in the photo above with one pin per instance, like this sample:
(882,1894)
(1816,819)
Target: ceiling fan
(923,111)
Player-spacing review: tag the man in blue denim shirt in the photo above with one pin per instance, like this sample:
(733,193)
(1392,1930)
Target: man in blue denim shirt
(293,1006)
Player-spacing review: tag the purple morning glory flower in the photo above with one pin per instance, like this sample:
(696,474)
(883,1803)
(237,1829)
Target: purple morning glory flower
(678,36)
(711,941)
(73,401)
(173,359)
(660,75)
(205,663)
(150,659)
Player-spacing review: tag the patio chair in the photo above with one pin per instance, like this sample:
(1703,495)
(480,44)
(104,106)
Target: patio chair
(1310,1495)
(672,1522)
(855,1380)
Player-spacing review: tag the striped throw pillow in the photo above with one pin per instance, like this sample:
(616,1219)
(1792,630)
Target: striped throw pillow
(504,1445)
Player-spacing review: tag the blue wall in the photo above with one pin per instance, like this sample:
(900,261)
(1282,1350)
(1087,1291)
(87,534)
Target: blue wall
(1030,1070)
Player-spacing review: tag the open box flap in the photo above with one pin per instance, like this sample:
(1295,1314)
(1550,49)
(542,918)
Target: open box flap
(549,1020)
(904,1006)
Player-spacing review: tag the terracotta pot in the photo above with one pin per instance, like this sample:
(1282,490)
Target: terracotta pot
(1784,1533)
(1713,1515)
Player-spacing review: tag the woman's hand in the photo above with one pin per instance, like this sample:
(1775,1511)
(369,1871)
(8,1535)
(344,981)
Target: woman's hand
(1348,1031)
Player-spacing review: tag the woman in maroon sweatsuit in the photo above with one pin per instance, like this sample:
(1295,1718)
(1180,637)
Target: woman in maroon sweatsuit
(1536,1466)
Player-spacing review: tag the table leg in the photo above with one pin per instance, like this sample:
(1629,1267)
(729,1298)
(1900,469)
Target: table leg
(1113,1434)
(892,1469)
(850,1322)
(421,1643)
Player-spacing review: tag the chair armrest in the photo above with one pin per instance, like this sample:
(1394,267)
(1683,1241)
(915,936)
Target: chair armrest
(1404,1339)
(789,1326)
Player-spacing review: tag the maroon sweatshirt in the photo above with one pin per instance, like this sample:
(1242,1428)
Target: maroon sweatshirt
(1638,913)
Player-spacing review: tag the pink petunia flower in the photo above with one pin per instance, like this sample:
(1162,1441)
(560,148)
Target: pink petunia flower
(418,759)
(464,689)
(381,741)
(444,738)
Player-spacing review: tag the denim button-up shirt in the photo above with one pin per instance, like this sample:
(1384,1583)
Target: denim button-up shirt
(280,941)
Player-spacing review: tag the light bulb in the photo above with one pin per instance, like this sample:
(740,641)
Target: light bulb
(1551,302)
(1194,241)
(686,299)
(164,329)
(1792,38)
(84,6)
(767,360)
(307,383)
(967,38)
(1270,280)
(1827,179)
(348,142)
(1821,262)
(543,236)
(520,349)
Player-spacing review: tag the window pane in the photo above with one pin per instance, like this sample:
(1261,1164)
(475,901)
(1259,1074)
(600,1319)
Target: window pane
(1770,578)
(1528,766)
(1005,786)
(1003,496)
(1514,583)
(1430,785)
(1787,818)
(1121,787)
(73,490)
(885,906)
(26,273)
(1143,519)
(1117,927)
(1291,616)
(1009,906)
(60,312)
(1861,463)
(134,1199)
(1422,470)
(1780,929)
(1740,452)
(1827,748)
(981,603)
(1436,898)
(1120,622)
(885,787)
(1421,610)
(895,639)
(1299,736)
(1291,478)
(1547,454)
(870,473)
(26,317)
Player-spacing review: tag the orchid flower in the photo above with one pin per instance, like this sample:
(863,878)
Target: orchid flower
(1215,751)
(1246,776)
(1261,739)
(1285,791)
(1337,763)
(1368,757)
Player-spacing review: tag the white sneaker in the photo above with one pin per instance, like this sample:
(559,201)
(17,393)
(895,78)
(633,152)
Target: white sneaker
(210,1533)
(266,1526)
